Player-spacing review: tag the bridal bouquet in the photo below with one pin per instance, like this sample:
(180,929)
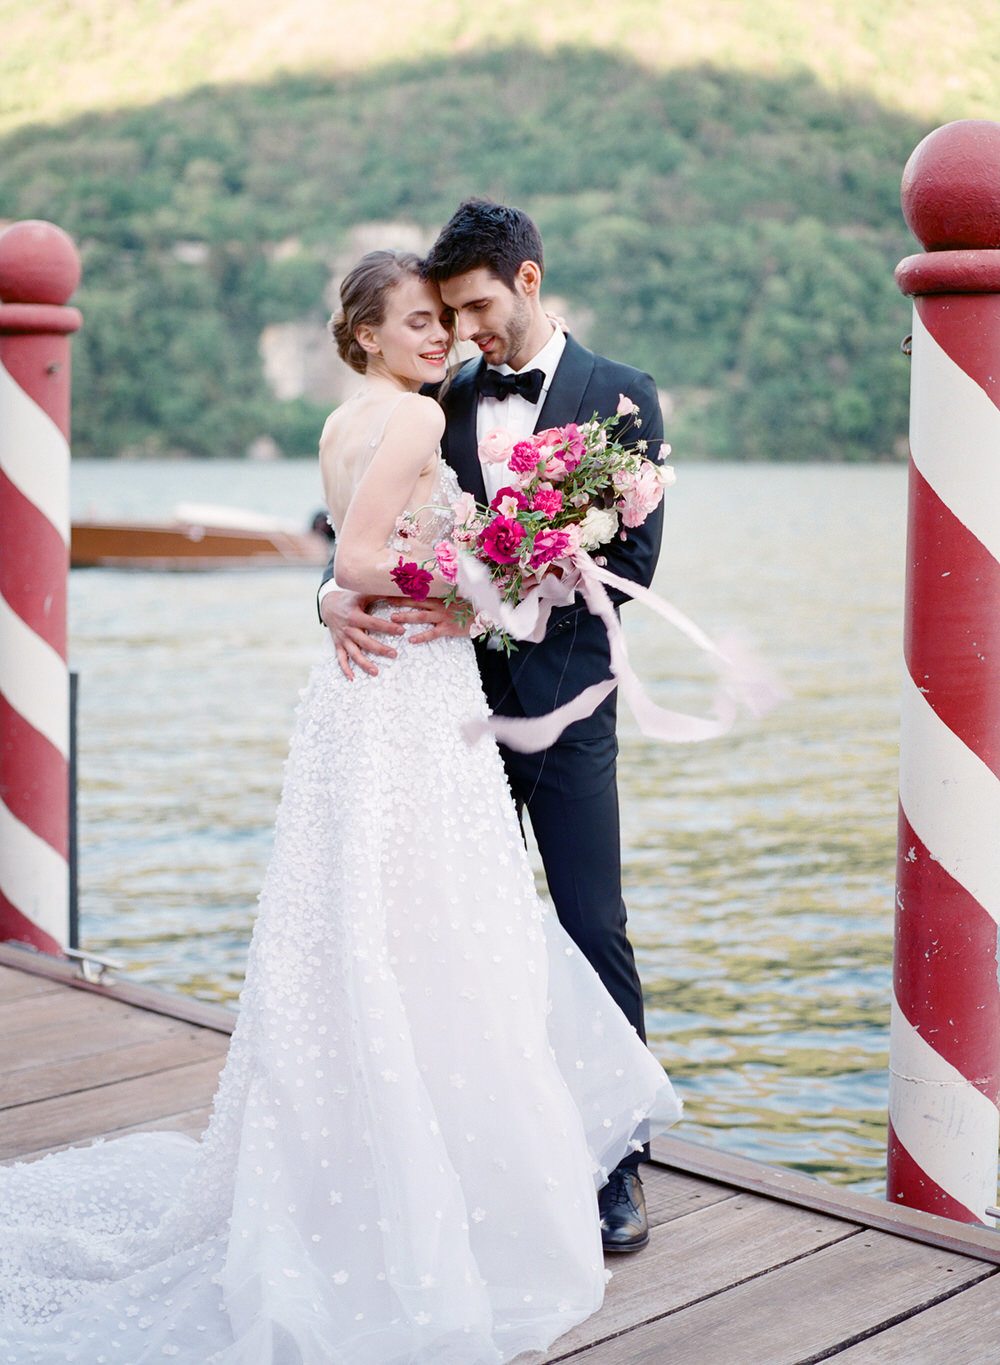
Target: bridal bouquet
(569,489)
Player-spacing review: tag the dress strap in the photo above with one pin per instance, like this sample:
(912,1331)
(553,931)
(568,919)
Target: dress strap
(376,440)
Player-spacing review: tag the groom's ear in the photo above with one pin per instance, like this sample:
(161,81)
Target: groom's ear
(529,276)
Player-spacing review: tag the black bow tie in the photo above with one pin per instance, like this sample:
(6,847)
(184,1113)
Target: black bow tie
(493,384)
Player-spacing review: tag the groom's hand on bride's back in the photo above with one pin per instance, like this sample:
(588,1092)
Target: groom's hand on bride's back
(437,619)
(355,633)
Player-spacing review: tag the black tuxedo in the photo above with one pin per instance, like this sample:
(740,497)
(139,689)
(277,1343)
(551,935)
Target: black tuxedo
(574,653)
(570,790)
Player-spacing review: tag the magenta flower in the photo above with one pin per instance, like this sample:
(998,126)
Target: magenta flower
(575,445)
(501,540)
(523,458)
(547,500)
(411,580)
(548,545)
(515,493)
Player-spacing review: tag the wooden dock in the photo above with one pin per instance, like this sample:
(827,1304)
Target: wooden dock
(747,1265)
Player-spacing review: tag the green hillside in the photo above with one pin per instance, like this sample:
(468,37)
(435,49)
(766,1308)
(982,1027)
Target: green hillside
(731,228)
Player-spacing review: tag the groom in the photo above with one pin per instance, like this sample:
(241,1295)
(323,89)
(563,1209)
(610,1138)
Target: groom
(488,264)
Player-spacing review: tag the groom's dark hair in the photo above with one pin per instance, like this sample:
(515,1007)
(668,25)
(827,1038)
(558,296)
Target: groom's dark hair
(481,233)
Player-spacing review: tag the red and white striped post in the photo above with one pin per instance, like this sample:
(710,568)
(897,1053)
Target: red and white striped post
(945,1036)
(39,269)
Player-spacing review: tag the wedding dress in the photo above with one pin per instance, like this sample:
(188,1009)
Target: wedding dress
(425,1085)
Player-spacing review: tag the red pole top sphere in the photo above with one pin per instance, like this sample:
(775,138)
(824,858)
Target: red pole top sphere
(951,187)
(39,263)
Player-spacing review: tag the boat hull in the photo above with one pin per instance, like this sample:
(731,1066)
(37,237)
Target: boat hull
(190,547)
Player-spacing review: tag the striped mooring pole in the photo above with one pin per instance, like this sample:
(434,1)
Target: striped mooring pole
(945,1034)
(39,270)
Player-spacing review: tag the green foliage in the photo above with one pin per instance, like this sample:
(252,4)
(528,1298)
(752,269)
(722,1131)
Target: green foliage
(735,235)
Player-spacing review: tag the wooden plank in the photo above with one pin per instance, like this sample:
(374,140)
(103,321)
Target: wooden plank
(186,1007)
(66,1039)
(190,1121)
(698,1254)
(68,1077)
(24,1016)
(69,1118)
(958,1331)
(966,1239)
(16,985)
(799,1312)
(669,1194)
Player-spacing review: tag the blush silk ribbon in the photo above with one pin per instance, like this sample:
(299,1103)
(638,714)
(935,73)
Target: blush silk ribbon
(743,680)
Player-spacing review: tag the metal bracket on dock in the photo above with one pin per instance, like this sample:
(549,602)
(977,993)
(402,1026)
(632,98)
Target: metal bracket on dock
(92,968)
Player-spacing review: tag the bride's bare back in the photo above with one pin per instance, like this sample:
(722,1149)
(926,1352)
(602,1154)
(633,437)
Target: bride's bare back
(379,456)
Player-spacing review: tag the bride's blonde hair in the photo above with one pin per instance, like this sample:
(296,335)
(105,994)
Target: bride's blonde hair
(362,299)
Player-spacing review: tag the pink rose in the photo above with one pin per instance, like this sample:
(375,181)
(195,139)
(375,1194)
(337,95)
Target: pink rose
(463,508)
(555,468)
(501,540)
(551,436)
(573,539)
(496,446)
(548,545)
(642,497)
(411,580)
(625,406)
(447,560)
(547,500)
(523,458)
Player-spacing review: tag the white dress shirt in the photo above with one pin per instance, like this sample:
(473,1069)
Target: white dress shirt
(514,413)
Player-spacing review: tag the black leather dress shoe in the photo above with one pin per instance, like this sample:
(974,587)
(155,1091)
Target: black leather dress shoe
(623,1212)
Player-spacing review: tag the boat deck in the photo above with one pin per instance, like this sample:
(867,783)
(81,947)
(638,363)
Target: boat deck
(746,1265)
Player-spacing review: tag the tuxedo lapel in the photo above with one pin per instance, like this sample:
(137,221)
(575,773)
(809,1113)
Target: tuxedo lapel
(569,384)
(461,446)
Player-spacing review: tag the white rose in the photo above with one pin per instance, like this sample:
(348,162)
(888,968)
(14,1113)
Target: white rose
(598,527)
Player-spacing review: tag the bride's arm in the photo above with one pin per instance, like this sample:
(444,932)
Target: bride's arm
(387,487)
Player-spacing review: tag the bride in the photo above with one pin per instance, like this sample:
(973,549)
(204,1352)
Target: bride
(427,1081)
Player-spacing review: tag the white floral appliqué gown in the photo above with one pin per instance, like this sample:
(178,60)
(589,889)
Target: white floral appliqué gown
(426,1083)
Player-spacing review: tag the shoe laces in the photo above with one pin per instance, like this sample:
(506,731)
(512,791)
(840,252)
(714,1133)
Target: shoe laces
(617,1191)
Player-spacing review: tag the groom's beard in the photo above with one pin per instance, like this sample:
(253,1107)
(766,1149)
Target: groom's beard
(518,326)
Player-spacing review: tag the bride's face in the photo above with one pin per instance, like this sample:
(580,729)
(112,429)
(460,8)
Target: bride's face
(413,341)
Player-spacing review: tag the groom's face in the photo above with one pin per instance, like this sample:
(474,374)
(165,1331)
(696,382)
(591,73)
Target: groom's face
(490,313)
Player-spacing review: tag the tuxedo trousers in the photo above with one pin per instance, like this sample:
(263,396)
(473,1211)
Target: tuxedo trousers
(570,794)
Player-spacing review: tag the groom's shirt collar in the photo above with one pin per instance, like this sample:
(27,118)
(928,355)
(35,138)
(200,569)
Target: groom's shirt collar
(515,414)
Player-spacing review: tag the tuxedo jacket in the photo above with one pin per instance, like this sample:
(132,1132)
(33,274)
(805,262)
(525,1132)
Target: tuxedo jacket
(574,653)
(536,678)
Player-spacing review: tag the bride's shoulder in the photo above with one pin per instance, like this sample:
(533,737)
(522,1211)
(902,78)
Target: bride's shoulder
(419,415)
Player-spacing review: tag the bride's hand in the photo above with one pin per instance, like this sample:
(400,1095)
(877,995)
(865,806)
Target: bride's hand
(353,631)
(438,619)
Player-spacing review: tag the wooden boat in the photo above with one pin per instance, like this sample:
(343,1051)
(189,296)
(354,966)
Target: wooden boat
(199,538)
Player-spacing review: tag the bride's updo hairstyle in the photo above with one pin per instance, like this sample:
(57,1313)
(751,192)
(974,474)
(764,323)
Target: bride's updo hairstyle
(363,296)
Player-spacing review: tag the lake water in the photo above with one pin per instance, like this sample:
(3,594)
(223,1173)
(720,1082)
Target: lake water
(758,868)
